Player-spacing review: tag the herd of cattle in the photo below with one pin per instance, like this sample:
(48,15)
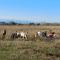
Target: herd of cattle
(24,35)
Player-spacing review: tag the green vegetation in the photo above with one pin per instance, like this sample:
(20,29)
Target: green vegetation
(29,50)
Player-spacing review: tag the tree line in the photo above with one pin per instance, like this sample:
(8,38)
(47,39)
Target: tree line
(14,23)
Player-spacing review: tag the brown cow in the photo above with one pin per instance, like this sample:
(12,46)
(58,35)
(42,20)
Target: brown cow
(4,34)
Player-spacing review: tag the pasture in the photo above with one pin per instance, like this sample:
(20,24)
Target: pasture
(30,49)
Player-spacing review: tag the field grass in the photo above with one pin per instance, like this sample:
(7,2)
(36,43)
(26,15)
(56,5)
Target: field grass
(29,50)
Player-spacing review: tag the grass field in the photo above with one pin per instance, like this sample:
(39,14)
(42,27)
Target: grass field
(29,50)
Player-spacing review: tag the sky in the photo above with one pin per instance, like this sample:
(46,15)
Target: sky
(30,10)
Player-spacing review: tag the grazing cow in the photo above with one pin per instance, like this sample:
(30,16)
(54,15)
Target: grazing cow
(4,32)
(41,34)
(44,34)
(38,34)
(23,35)
(17,35)
(14,35)
(51,35)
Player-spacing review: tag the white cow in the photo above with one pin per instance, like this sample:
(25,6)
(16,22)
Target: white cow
(38,34)
(19,35)
(41,34)
(23,35)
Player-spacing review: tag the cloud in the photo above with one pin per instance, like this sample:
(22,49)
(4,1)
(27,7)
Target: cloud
(33,18)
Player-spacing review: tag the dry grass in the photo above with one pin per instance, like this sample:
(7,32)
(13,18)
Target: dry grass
(29,50)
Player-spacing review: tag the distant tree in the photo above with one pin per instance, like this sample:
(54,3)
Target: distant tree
(38,24)
(31,23)
(13,23)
